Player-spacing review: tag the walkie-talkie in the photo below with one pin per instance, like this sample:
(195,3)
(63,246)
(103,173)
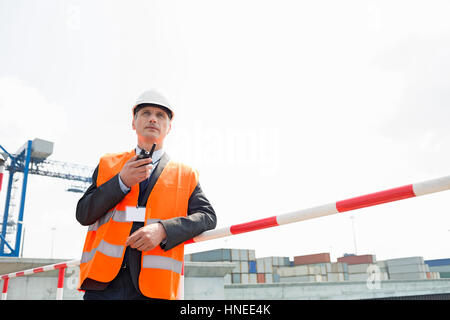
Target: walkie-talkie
(146,153)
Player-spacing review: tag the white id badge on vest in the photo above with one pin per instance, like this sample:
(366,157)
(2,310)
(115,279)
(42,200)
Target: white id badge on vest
(135,214)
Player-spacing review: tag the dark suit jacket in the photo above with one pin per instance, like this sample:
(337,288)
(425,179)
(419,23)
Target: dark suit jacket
(97,201)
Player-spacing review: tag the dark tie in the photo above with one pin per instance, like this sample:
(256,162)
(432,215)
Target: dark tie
(143,184)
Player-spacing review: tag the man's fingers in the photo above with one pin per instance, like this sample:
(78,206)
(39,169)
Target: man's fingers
(132,239)
(140,243)
(145,168)
(132,159)
(140,240)
(144,245)
(140,162)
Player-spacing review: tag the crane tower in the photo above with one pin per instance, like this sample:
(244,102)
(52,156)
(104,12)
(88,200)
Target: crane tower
(31,158)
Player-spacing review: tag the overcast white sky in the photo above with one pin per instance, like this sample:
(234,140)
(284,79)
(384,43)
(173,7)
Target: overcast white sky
(280,105)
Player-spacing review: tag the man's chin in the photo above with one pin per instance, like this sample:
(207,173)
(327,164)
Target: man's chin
(149,137)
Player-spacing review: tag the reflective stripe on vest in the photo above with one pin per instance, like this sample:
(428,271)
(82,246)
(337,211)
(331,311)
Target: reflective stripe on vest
(160,262)
(106,248)
(117,215)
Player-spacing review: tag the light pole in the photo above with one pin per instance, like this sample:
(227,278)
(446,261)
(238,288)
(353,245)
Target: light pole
(53,241)
(354,234)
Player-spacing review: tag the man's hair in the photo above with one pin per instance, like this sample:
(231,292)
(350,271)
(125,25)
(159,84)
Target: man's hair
(143,105)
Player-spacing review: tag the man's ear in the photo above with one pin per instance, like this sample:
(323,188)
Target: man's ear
(132,123)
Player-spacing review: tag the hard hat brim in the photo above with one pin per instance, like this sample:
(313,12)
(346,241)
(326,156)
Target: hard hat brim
(147,104)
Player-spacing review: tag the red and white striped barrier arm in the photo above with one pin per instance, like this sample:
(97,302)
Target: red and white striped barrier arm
(60,266)
(368,200)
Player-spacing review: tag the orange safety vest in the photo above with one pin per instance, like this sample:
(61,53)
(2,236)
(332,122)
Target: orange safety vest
(104,246)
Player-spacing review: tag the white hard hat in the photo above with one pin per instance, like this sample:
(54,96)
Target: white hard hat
(152,96)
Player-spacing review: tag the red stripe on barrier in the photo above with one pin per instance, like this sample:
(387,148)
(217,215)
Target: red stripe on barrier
(21,273)
(61,277)
(5,285)
(38,270)
(376,198)
(254,225)
(61,265)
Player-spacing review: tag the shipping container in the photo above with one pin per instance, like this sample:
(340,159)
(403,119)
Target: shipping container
(366,258)
(268,267)
(335,277)
(442,268)
(236,277)
(360,268)
(435,275)
(261,278)
(252,278)
(235,255)
(260,265)
(245,279)
(280,261)
(212,255)
(312,258)
(301,270)
(318,268)
(237,268)
(284,261)
(445,275)
(438,262)
(336,267)
(243,255)
(408,276)
(275,277)
(244,266)
(404,261)
(407,268)
(252,266)
(292,271)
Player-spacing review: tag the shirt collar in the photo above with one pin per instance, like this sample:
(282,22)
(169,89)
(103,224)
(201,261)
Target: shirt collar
(157,154)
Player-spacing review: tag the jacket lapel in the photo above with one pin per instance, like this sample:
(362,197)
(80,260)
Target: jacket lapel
(154,177)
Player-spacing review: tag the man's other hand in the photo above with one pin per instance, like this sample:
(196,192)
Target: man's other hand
(147,237)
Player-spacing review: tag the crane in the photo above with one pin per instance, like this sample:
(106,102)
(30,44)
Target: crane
(31,158)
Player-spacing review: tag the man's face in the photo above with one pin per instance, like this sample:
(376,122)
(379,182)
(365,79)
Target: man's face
(152,124)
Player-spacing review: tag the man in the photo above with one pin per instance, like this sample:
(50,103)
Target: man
(139,213)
